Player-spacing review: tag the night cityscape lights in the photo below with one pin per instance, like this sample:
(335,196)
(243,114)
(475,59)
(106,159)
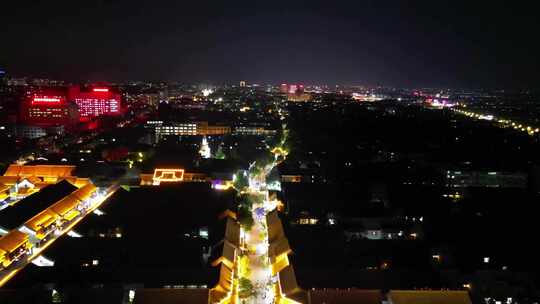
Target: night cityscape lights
(503,123)
(253,208)
(330,152)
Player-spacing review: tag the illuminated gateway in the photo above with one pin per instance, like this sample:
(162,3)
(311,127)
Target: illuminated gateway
(171,175)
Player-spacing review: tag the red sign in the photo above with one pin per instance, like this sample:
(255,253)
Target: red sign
(46,100)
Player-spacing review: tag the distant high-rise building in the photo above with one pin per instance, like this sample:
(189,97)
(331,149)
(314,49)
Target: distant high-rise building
(284,88)
(47,108)
(296,93)
(293,88)
(3,77)
(242,84)
(17,82)
(162,128)
(94,101)
(3,80)
(299,97)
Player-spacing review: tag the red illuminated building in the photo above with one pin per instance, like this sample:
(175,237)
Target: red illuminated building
(47,108)
(94,101)
(291,88)
(284,88)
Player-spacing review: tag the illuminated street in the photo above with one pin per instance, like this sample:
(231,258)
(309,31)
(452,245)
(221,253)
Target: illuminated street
(256,239)
(259,263)
(503,123)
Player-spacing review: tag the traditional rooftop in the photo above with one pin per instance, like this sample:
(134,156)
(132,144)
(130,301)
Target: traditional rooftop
(15,215)
(12,240)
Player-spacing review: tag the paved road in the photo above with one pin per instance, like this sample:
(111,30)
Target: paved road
(259,262)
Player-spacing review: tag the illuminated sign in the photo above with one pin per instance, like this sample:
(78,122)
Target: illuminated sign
(43,99)
(101,90)
(168,175)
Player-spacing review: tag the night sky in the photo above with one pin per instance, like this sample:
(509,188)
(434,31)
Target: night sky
(394,43)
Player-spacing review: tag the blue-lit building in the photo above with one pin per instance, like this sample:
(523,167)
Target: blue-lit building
(3,80)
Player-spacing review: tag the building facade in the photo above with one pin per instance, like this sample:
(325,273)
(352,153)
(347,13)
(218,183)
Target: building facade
(33,132)
(47,109)
(253,130)
(95,101)
(498,179)
(185,129)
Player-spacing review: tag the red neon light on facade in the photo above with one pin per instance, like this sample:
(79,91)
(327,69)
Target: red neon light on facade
(45,99)
(96,101)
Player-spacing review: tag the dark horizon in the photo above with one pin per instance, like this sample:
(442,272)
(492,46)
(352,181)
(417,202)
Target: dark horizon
(417,44)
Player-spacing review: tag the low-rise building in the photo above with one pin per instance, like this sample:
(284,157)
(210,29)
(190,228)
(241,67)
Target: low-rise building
(253,130)
(162,129)
(34,132)
(484,178)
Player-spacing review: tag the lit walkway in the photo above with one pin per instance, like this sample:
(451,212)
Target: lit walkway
(259,262)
